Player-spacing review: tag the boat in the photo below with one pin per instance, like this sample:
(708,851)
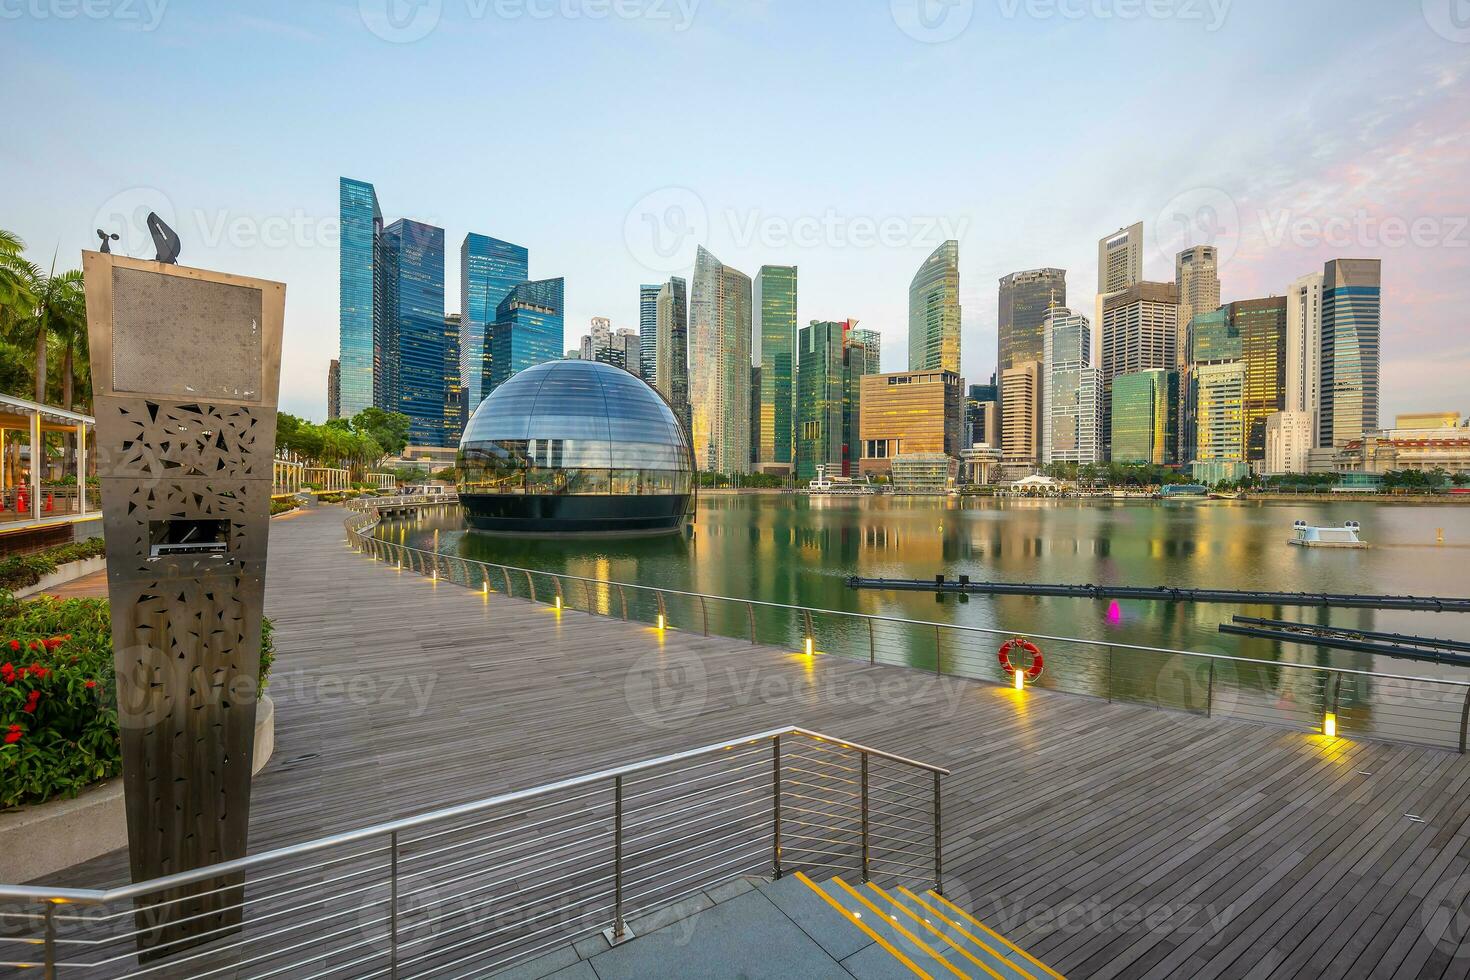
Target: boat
(1307,536)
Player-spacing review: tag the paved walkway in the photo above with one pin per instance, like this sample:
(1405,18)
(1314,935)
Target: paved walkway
(1110,840)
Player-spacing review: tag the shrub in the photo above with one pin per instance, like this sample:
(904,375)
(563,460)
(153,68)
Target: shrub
(20,571)
(58,697)
(282,506)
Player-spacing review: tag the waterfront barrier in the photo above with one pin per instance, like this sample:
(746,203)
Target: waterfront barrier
(1308,697)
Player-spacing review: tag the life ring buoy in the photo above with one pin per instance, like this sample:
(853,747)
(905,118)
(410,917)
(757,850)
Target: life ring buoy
(1032,671)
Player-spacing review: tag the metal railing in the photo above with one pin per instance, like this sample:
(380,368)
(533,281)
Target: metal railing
(463,890)
(1335,701)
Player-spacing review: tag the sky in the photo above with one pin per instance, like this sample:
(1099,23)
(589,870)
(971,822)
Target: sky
(846,137)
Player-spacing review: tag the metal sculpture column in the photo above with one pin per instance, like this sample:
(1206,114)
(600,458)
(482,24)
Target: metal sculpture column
(186,369)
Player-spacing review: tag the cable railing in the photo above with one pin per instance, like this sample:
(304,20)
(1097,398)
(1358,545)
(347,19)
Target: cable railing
(468,889)
(1328,700)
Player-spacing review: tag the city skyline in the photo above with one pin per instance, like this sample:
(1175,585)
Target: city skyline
(1364,130)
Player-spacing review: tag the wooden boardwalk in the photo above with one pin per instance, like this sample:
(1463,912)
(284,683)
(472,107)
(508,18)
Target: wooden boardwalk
(1110,840)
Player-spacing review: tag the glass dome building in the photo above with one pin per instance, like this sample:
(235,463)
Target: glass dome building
(575,447)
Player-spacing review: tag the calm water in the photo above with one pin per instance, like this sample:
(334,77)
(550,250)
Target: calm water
(799,549)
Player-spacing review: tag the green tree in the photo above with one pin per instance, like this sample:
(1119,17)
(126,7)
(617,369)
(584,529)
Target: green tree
(388,429)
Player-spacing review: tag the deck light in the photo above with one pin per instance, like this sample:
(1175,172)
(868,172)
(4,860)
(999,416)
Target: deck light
(809,646)
(1020,676)
(1329,724)
(558,603)
(660,620)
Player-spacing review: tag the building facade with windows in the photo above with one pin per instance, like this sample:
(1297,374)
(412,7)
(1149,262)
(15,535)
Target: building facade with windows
(773,356)
(359,294)
(934,312)
(413,270)
(1145,417)
(648,330)
(719,365)
(1139,332)
(830,366)
(528,329)
(1351,321)
(1288,443)
(1071,391)
(1020,436)
(488,270)
(671,347)
(908,412)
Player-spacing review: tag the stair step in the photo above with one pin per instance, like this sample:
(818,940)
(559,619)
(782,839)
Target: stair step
(899,937)
(960,940)
(974,926)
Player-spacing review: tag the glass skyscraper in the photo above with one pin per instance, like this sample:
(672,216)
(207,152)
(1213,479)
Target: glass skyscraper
(1145,417)
(1351,319)
(359,284)
(719,365)
(1071,391)
(528,329)
(1025,300)
(488,270)
(413,275)
(647,331)
(773,353)
(934,311)
(830,366)
(1261,324)
(671,350)
(454,414)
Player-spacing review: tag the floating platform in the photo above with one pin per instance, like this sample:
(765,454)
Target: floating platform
(1306,536)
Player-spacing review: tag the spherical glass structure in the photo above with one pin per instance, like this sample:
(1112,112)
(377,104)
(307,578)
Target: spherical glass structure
(575,447)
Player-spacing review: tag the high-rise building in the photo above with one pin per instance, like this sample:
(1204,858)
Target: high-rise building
(1071,391)
(719,359)
(1197,282)
(1210,338)
(934,312)
(648,330)
(1304,346)
(488,270)
(1139,332)
(1120,259)
(334,389)
(1351,321)
(772,358)
(872,344)
(671,347)
(360,288)
(528,329)
(1288,442)
(1261,324)
(413,274)
(1026,298)
(597,340)
(982,415)
(1020,437)
(829,370)
(1219,443)
(1145,416)
(908,413)
(454,402)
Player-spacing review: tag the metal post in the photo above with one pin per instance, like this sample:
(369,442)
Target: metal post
(750,613)
(623,597)
(1210,690)
(776,805)
(531,585)
(938,652)
(81,467)
(50,973)
(872,649)
(591,606)
(704,612)
(617,859)
(393,906)
(1464,720)
(1110,675)
(864,757)
(506,572)
(938,849)
(35,466)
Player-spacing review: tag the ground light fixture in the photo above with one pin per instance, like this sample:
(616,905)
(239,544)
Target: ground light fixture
(809,646)
(661,622)
(1020,676)
(1329,724)
(557,602)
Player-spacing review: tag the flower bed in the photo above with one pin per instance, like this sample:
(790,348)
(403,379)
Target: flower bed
(58,697)
(20,571)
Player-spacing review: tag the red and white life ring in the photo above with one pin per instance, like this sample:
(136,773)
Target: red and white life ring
(1032,671)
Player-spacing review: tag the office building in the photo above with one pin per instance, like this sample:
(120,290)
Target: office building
(1139,332)
(922,473)
(830,366)
(488,270)
(1071,391)
(1025,300)
(719,365)
(671,347)
(982,415)
(359,294)
(872,344)
(454,399)
(598,338)
(1351,319)
(907,413)
(1219,421)
(413,275)
(1288,442)
(1261,324)
(334,389)
(773,363)
(1304,347)
(528,330)
(648,330)
(1120,259)
(934,312)
(1020,435)
(1145,416)
(1197,283)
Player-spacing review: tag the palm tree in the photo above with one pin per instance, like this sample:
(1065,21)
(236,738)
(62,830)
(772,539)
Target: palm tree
(17,277)
(60,307)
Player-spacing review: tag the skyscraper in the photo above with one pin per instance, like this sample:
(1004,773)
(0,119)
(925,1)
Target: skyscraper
(719,359)
(488,270)
(1120,259)
(934,312)
(982,415)
(671,364)
(454,413)
(334,389)
(1139,333)
(872,344)
(1304,348)
(1071,391)
(1351,319)
(908,413)
(1020,392)
(1145,417)
(1197,282)
(773,348)
(527,330)
(1219,444)
(1261,324)
(359,293)
(413,275)
(647,331)
(1026,298)
(830,366)
(1210,338)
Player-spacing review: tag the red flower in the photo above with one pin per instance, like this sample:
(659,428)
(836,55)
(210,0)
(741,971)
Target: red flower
(30,706)
(13,736)
(38,672)
(34,645)
(91,684)
(15,644)
(7,673)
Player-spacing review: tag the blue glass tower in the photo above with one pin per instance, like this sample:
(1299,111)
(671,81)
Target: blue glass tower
(413,274)
(648,331)
(1351,319)
(488,270)
(528,330)
(359,324)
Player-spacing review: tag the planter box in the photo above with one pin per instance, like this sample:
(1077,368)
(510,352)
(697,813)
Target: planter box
(64,573)
(61,833)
